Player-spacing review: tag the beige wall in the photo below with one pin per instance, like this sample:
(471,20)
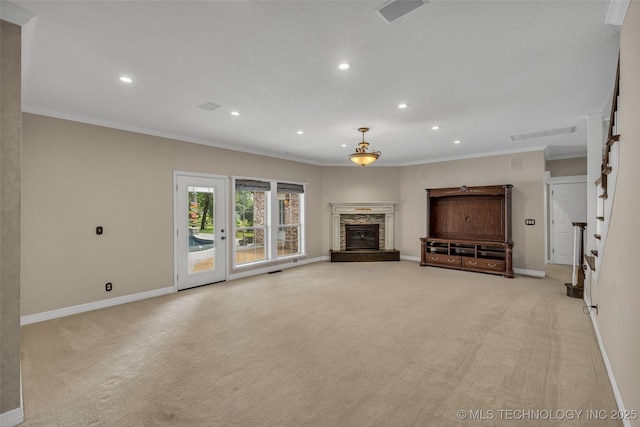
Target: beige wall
(357,184)
(618,289)
(525,171)
(78,176)
(567,167)
(10,181)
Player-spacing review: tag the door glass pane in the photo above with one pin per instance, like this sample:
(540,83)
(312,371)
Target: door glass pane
(202,251)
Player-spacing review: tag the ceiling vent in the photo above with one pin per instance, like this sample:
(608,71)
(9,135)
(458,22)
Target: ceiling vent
(543,133)
(209,106)
(395,9)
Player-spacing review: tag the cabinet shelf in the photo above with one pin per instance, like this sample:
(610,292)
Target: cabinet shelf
(469,228)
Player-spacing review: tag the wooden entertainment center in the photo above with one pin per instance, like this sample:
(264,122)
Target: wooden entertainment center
(469,228)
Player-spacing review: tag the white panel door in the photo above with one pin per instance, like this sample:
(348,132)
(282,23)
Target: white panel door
(200,230)
(568,205)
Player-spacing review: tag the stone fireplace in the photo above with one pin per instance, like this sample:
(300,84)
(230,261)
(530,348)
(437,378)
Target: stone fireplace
(370,215)
(362,237)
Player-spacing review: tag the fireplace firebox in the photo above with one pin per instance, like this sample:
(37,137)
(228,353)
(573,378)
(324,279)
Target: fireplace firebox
(362,237)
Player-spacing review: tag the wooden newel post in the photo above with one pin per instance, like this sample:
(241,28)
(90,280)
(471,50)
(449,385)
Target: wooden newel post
(575,289)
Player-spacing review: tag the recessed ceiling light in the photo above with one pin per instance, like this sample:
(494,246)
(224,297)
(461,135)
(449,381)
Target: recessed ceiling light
(235,113)
(457,141)
(344,66)
(403,105)
(126,79)
(343,145)
(436,127)
(300,132)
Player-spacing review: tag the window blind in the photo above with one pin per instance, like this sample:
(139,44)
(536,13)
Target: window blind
(284,187)
(252,185)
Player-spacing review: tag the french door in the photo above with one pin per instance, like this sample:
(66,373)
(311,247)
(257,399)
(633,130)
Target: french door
(200,230)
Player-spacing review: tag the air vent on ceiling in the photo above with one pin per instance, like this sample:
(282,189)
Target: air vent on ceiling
(209,106)
(395,9)
(543,133)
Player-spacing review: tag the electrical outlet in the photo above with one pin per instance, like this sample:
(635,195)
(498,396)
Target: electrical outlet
(108,287)
(530,221)
(99,230)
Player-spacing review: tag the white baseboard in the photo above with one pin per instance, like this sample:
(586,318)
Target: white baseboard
(410,258)
(607,364)
(12,418)
(67,311)
(276,267)
(532,273)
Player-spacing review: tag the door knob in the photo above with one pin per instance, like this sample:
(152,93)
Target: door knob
(223,237)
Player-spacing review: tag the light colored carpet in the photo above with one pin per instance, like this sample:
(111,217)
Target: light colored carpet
(326,344)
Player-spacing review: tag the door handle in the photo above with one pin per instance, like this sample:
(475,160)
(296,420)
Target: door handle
(223,237)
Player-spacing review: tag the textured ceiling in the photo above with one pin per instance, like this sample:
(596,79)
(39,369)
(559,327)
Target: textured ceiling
(482,70)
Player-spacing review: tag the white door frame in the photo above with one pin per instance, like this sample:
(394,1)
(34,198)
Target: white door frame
(176,174)
(548,181)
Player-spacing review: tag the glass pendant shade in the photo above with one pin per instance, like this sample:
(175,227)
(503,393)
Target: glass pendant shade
(363,157)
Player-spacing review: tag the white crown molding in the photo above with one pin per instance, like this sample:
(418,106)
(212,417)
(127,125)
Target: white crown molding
(475,155)
(617,11)
(15,14)
(567,156)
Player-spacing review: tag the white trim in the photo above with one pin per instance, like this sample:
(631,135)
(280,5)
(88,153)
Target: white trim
(12,418)
(410,258)
(176,174)
(607,364)
(617,11)
(363,208)
(275,267)
(567,179)
(15,14)
(96,305)
(532,273)
(160,134)
(547,215)
(566,156)
(475,156)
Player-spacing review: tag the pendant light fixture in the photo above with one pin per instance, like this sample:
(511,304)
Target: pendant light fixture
(361,156)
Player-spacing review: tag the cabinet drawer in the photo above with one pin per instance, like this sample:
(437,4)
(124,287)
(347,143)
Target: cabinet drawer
(443,259)
(484,264)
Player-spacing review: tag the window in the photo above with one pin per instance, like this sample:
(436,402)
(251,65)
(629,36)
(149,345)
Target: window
(290,198)
(250,228)
(257,239)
